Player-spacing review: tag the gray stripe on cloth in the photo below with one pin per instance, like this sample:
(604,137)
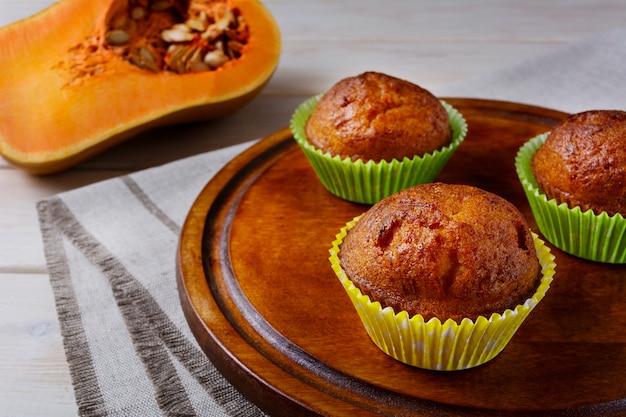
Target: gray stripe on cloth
(89,398)
(197,363)
(155,338)
(149,204)
(136,307)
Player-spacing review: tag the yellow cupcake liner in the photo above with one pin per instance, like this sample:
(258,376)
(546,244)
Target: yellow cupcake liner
(433,345)
(584,234)
(368,182)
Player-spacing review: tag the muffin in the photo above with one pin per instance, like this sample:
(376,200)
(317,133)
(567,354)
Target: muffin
(575,180)
(445,251)
(378,117)
(442,275)
(583,162)
(372,135)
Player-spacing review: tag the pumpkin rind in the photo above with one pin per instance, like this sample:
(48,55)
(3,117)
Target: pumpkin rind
(47,125)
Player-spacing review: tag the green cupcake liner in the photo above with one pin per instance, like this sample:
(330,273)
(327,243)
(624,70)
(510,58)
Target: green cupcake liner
(368,182)
(584,234)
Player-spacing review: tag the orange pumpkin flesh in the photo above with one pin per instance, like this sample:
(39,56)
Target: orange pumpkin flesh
(48,123)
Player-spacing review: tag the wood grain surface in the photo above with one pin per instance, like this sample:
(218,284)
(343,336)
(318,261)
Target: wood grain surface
(258,292)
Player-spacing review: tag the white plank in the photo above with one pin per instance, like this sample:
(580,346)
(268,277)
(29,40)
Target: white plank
(365,21)
(21,248)
(11,10)
(34,377)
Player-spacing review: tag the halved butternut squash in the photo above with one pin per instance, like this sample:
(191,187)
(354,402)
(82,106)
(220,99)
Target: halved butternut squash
(83,75)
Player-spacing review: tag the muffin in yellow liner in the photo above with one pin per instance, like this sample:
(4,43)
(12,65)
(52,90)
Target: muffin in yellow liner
(434,345)
(584,234)
(368,182)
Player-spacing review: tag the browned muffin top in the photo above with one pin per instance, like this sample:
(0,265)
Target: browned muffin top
(583,161)
(374,116)
(441,250)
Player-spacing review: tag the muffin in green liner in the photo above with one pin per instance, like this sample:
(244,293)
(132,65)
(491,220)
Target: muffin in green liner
(433,344)
(368,182)
(584,234)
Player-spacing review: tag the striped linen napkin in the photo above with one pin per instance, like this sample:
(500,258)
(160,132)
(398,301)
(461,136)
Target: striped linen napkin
(110,249)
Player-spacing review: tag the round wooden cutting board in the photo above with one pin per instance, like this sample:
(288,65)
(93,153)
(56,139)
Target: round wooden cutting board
(265,306)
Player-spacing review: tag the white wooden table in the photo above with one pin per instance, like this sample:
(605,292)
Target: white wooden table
(430,42)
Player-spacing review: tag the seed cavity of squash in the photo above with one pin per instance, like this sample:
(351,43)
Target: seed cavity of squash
(175,36)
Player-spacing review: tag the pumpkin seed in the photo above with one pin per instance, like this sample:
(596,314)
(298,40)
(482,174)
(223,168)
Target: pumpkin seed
(176,58)
(215,58)
(175,35)
(117,37)
(235,46)
(143,58)
(149,59)
(224,21)
(136,61)
(193,54)
(138,13)
(196,24)
(211,33)
(181,27)
(199,66)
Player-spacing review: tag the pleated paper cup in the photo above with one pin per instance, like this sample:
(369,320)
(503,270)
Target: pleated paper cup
(584,234)
(368,182)
(434,345)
